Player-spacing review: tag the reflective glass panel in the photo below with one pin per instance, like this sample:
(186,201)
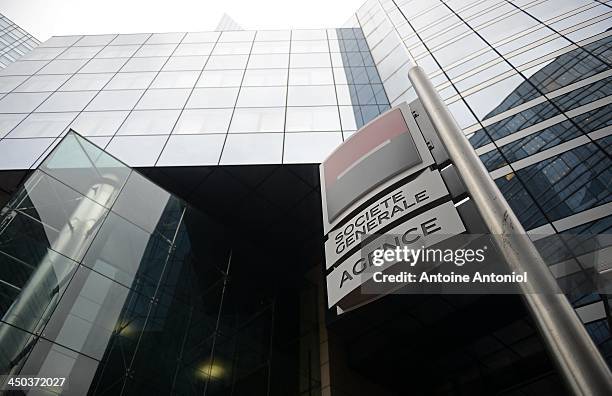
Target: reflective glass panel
(137,150)
(253,148)
(212,98)
(262,97)
(99,123)
(149,122)
(203,121)
(258,120)
(140,80)
(43,125)
(163,99)
(87,169)
(310,147)
(190,150)
(115,100)
(312,119)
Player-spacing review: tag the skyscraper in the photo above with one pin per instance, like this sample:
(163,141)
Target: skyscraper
(14,41)
(175,244)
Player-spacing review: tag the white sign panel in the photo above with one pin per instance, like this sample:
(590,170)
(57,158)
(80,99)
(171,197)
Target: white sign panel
(397,204)
(425,230)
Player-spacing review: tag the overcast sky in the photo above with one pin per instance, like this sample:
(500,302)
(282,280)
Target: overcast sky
(46,18)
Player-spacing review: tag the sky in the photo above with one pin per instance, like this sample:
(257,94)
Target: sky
(46,18)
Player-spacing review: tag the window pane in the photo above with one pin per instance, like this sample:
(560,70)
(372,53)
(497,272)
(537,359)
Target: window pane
(61,41)
(115,100)
(310,60)
(310,147)
(123,252)
(488,99)
(201,37)
(220,78)
(43,125)
(309,34)
(149,206)
(21,102)
(16,272)
(92,304)
(265,77)
(309,46)
(144,64)
(193,49)
(63,66)
(43,54)
(232,48)
(462,114)
(21,153)
(56,210)
(23,68)
(185,63)
(42,83)
(192,150)
(312,95)
(84,167)
(203,121)
(316,76)
(222,62)
(175,79)
(312,119)
(270,47)
(349,118)
(124,39)
(119,51)
(149,122)
(343,93)
(253,148)
(237,36)
(269,61)
(97,39)
(101,123)
(163,38)
(457,50)
(79,53)
(67,101)
(262,97)
(8,122)
(212,98)
(131,80)
(272,35)
(9,83)
(103,65)
(84,82)
(163,99)
(258,120)
(137,150)
(155,50)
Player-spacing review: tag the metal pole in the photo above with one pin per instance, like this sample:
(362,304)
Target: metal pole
(581,364)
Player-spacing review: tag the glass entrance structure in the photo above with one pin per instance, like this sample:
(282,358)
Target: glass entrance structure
(118,286)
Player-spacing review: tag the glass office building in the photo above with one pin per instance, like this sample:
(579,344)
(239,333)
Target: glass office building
(14,42)
(173,244)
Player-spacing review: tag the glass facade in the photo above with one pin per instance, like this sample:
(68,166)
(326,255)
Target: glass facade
(14,42)
(238,96)
(117,285)
(529,83)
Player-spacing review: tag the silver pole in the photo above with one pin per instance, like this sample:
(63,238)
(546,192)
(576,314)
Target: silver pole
(581,364)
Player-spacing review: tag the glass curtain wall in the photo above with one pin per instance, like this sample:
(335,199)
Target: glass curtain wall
(120,287)
(529,83)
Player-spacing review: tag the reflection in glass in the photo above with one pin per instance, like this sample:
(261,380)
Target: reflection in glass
(87,169)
